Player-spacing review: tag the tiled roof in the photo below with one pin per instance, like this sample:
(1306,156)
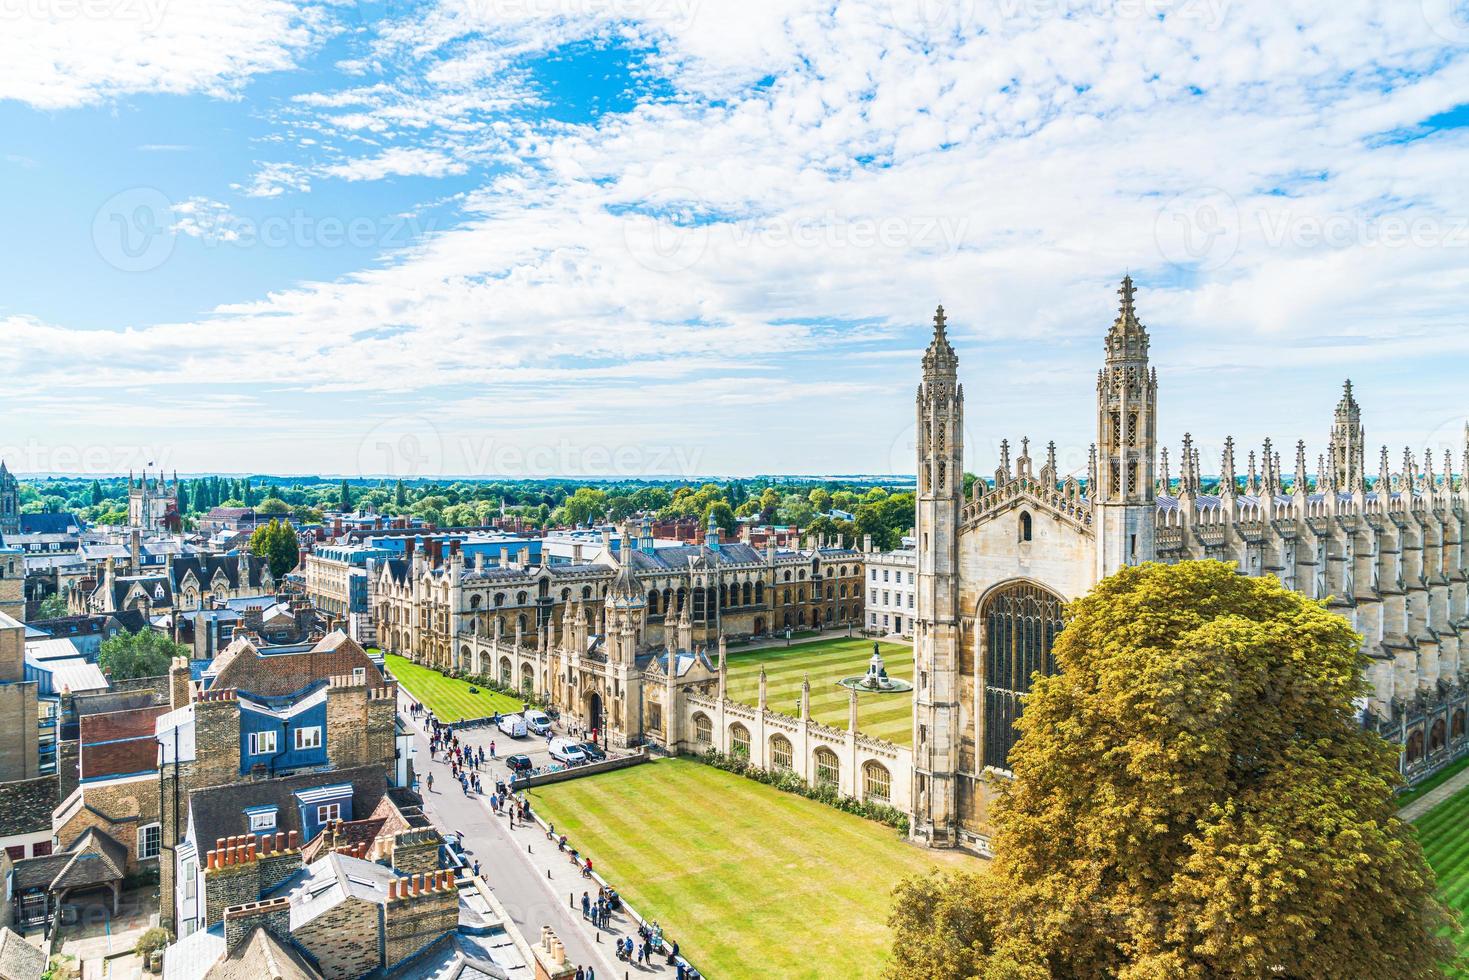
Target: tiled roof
(19,960)
(262,957)
(274,674)
(220,810)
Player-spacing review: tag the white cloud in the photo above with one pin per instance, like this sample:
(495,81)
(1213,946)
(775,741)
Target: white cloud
(60,54)
(699,260)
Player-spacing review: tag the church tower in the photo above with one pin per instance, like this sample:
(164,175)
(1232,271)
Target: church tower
(1127,408)
(9,501)
(1347,452)
(940,439)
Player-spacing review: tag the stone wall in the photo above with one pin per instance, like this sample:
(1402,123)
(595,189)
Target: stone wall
(419,910)
(344,939)
(19,746)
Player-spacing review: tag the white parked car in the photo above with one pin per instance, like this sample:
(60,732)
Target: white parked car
(513,725)
(538,722)
(568,751)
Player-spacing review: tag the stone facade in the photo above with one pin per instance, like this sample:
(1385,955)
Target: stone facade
(996,565)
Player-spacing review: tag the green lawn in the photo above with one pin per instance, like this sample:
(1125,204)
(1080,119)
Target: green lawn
(752,882)
(888,716)
(1444,834)
(447,698)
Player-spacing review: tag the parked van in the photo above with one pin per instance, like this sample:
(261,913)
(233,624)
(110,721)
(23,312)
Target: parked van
(513,725)
(567,750)
(538,722)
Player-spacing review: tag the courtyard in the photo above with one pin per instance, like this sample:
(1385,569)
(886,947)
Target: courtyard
(750,881)
(885,716)
(448,698)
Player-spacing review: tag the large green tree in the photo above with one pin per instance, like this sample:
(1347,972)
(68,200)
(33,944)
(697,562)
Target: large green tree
(276,543)
(1192,797)
(142,654)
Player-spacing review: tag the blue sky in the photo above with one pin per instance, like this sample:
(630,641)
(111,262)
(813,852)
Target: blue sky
(677,237)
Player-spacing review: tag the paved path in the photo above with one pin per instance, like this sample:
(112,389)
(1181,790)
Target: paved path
(532,880)
(1435,796)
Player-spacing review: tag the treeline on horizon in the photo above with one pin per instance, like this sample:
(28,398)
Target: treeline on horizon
(880,507)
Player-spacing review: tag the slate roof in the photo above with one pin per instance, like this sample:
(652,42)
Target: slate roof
(48,523)
(263,957)
(220,810)
(19,960)
(205,567)
(332,880)
(245,668)
(457,956)
(683,660)
(92,859)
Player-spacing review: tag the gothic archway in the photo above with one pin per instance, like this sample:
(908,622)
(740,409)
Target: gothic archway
(593,712)
(1019,623)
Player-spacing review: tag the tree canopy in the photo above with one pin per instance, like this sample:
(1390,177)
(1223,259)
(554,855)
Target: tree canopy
(1192,797)
(142,654)
(276,543)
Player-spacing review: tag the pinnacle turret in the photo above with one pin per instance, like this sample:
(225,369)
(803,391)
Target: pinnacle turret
(940,358)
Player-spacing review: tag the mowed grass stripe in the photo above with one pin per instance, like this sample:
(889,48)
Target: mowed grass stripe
(449,699)
(751,881)
(1443,833)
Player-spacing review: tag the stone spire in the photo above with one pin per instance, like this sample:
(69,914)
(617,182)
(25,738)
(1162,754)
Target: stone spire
(806,697)
(1298,482)
(940,360)
(1125,511)
(1165,479)
(1188,475)
(1384,475)
(1252,482)
(1227,484)
(1005,459)
(1128,338)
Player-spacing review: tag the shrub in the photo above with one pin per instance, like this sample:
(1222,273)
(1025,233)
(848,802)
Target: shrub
(152,941)
(788,782)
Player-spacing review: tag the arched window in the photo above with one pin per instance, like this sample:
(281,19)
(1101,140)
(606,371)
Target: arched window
(1415,747)
(747,593)
(565,595)
(759,592)
(505,671)
(520,598)
(1436,739)
(788,575)
(1457,728)
(499,598)
(1020,623)
(780,752)
(1027,530)
(703,729)
(474,601)
(586,591)
(877,784)
(739,741)
(828,768)
(652,602)
(521,622)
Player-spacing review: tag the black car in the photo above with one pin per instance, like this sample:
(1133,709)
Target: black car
(594,751)
(519,764)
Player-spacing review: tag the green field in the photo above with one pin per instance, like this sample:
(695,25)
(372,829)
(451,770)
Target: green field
(752,882)
(887,716)
(1444,834)
(447,698)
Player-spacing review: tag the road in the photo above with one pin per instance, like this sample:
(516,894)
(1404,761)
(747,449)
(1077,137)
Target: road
(534,882)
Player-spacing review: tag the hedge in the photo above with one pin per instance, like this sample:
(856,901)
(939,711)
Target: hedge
(788,782)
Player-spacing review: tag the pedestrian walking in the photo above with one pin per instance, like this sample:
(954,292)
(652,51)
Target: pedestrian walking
(586,906)
(476,867)
(430,782)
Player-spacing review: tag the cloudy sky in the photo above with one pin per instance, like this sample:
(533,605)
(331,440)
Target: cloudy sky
(525,237)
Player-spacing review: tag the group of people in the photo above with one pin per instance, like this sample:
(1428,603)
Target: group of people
(598,911)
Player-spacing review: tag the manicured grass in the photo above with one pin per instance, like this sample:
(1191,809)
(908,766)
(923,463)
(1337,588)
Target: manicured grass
(887,716)
(1444,834)
(752,882)
(447,698)
(1409,795)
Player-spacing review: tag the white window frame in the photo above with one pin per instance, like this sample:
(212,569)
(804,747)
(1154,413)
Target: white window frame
(259,740)
(262,821)
(328,811)
(302,743)
(143,836)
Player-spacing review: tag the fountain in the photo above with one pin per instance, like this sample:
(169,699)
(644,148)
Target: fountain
(876,679)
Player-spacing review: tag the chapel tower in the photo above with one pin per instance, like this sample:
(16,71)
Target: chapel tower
(1347,448)
(940,498)
(1127,406)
